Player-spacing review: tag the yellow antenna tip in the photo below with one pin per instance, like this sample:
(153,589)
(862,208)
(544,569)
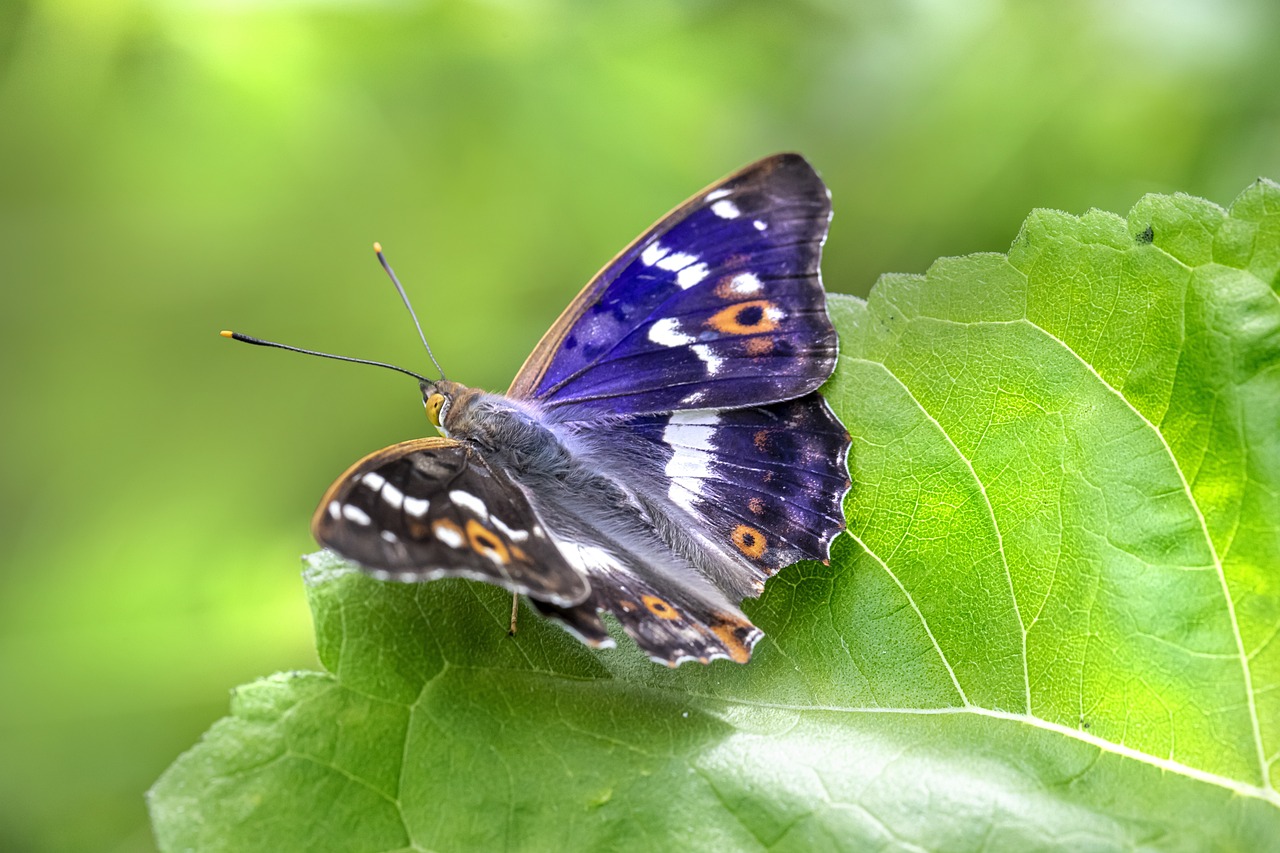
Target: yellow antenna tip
(227,333)
(377,247)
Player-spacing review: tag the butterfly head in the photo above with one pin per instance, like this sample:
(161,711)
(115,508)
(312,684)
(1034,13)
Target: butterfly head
(436,402)
(439,398)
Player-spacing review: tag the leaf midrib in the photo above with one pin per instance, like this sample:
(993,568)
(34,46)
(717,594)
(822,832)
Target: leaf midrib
(1105,746)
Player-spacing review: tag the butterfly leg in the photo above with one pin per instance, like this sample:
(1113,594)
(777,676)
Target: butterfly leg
(515,609)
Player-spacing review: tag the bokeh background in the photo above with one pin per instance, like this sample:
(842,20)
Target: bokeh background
(168,169)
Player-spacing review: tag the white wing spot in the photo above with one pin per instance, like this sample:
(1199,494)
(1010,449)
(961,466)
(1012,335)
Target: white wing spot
(678,494)
(448,535)
(388,536)
(335,510)
(586,558)
(705,417)
(692,429)
(760,224)
(687,469)
(689,434)
(744,284)
(716,194)
(392,495)
(726,209)
(513,535)
(667,332)
(373,480)
(709,358)
(355,514)
(470,502)
(652,254)
(676,261)
(689,276)
(417,507)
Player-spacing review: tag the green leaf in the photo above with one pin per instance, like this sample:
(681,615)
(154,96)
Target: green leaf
(1053,623)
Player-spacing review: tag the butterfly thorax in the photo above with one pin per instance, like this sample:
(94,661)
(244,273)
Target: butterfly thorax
(503,430)
(553,464)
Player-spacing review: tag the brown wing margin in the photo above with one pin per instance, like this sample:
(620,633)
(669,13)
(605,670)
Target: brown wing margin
(368,463)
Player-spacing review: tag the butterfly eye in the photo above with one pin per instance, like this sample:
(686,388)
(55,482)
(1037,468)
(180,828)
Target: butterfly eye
(435,408)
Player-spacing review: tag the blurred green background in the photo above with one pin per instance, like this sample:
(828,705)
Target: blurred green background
(169,169)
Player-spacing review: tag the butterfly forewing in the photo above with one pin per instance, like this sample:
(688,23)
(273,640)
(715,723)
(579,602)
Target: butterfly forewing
(718,305)
(433,508)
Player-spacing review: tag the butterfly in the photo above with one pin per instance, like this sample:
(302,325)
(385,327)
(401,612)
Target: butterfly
(662,452)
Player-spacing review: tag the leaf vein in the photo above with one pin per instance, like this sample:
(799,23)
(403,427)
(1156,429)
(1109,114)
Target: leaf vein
(1252,705)
(924,622)
(995,526)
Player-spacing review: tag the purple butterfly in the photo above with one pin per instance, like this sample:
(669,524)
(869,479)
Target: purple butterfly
(661,453)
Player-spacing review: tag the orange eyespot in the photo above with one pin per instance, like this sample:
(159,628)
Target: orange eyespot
(435,403)
(660,608)
(749,541)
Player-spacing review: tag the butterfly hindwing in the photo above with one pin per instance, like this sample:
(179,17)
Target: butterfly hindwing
(719,304)
(765,485)
(433,508)
(671,623)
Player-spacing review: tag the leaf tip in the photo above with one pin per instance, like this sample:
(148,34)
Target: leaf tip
(324,566)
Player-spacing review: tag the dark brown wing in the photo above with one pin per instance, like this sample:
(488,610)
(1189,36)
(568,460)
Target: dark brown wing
(671,625)
(431,508)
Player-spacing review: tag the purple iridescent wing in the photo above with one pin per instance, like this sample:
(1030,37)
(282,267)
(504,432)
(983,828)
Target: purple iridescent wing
(765,484)
(761,487)
(718,305)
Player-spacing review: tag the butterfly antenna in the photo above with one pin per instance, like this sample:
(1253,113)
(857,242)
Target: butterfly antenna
(377,248)
(236,336)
